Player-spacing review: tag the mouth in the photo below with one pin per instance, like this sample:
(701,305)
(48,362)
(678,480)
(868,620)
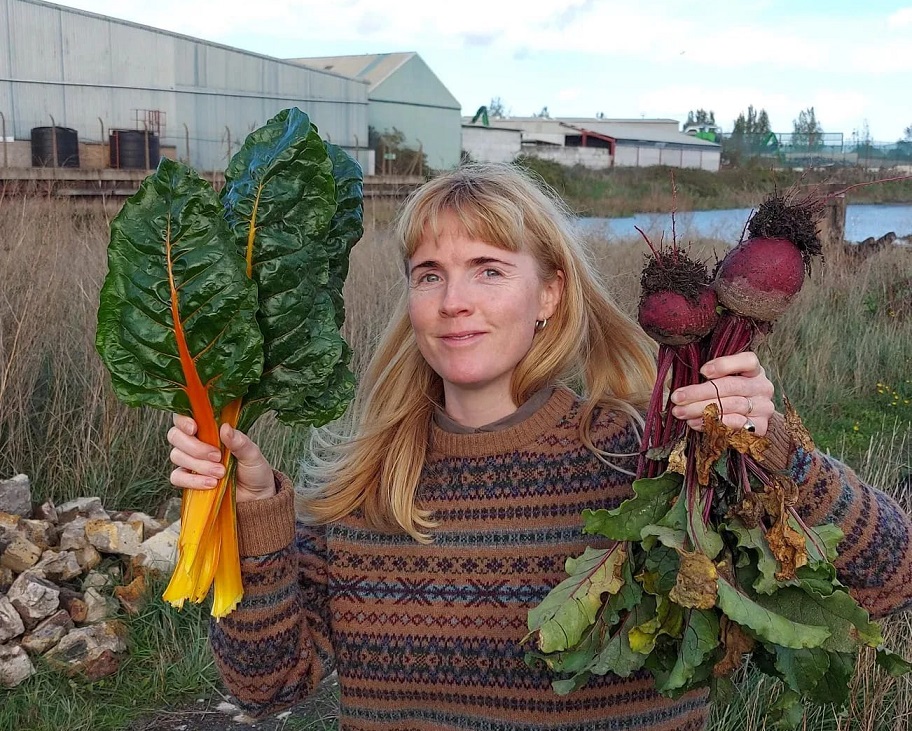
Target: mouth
(462,337)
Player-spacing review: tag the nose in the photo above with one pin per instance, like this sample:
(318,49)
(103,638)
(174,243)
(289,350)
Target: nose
(456,299)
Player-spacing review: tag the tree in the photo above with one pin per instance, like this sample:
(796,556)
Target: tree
(908,134)
(751,124)
(807,130)
(497,108)
(543,114)
(701,118)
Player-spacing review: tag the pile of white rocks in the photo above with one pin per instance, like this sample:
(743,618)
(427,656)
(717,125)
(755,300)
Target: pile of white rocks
(68,574)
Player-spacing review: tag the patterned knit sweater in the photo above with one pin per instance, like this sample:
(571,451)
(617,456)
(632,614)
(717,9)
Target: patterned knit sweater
(429,636)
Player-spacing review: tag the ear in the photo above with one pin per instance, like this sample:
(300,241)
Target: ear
(551,294)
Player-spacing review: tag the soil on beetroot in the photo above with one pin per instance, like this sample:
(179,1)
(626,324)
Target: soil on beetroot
(318,713)
(795,221)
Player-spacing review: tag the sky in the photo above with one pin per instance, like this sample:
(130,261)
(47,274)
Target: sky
(851,60)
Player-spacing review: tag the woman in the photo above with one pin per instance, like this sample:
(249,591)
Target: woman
(450,512)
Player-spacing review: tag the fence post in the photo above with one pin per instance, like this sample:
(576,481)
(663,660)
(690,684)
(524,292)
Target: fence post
(832,220)
(3,134)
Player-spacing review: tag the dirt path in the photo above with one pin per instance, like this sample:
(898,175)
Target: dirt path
(215,714)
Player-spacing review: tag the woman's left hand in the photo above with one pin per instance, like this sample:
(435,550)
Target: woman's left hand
(739,383)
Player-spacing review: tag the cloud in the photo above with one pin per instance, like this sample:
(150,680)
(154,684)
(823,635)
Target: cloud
(902,18)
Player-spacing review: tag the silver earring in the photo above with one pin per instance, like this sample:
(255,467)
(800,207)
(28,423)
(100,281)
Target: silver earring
(540,325)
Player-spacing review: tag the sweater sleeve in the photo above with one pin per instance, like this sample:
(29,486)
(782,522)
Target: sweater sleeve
(273,650)
(875,557)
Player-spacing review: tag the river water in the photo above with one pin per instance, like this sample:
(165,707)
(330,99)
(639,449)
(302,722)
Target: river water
(862,220)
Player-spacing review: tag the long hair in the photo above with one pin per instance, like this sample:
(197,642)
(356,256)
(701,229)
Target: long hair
(589,344)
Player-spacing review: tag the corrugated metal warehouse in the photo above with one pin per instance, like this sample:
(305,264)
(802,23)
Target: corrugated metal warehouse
(93,74)
(405,95)
(603,143)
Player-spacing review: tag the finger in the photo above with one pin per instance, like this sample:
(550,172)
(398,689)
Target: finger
(757,388)
(203,467)
(241,446)
(184,423)
(196,448)
(191,481)
(745,364)
(756,405)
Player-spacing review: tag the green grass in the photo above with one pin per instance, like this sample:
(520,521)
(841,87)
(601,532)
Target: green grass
(169,662)
(626,191)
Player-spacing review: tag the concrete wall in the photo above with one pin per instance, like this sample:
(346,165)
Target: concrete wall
(679,157)
(595,158)
(489,144)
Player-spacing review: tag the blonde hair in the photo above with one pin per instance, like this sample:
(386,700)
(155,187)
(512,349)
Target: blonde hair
(588,344)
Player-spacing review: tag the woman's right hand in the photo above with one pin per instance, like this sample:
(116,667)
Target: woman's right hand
(199,464)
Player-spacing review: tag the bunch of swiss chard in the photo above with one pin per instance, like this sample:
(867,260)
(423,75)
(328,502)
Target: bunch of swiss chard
(710,561)
(223,306)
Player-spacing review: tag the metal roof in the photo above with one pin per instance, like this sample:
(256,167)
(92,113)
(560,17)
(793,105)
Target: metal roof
(622,130)
(374,68)
(635,132)
(161,31)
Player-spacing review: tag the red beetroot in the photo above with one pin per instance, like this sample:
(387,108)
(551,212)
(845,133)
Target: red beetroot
(760,277)
(671,318)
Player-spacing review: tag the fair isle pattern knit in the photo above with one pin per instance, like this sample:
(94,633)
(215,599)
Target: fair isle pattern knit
(429,637)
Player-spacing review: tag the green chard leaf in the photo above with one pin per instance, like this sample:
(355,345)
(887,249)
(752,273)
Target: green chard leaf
(786,713)
(751,539)
(667,621)
(346,229)
(279,200)
(347,225)
(766,623)
(822,541)
(847,624)
(174,278)
(564,615)
(661,570)
(700,638)
(618,657)
(625,523)
(670,529)
(704,539)
(833,686)
(801,670)
(894,664)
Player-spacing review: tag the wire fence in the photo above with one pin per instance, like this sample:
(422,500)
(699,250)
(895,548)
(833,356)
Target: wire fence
(816,150)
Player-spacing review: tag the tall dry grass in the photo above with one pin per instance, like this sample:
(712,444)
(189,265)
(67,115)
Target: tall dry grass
(61,424)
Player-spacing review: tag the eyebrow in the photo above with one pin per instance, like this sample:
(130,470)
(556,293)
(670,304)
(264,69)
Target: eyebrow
(477,261)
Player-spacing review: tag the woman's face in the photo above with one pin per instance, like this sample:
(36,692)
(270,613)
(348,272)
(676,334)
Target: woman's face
(473,308)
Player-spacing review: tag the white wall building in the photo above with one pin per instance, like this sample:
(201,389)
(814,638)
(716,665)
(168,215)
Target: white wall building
(604,143)
(491,144)
(404,95)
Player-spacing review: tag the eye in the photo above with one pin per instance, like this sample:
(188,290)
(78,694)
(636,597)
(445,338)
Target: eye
(490,273)
(427,278)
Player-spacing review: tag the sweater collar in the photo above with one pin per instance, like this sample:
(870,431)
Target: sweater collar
(508,438)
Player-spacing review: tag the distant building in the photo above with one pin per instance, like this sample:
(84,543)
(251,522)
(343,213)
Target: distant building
(92,73)
(605,143)
(491,144)
(405,95)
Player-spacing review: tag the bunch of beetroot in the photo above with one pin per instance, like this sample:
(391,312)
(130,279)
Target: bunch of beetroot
(695,317)
(709,560)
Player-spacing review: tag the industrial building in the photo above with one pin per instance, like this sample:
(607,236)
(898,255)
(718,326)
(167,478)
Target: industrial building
(93,74)
(404,95)
(592,143)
